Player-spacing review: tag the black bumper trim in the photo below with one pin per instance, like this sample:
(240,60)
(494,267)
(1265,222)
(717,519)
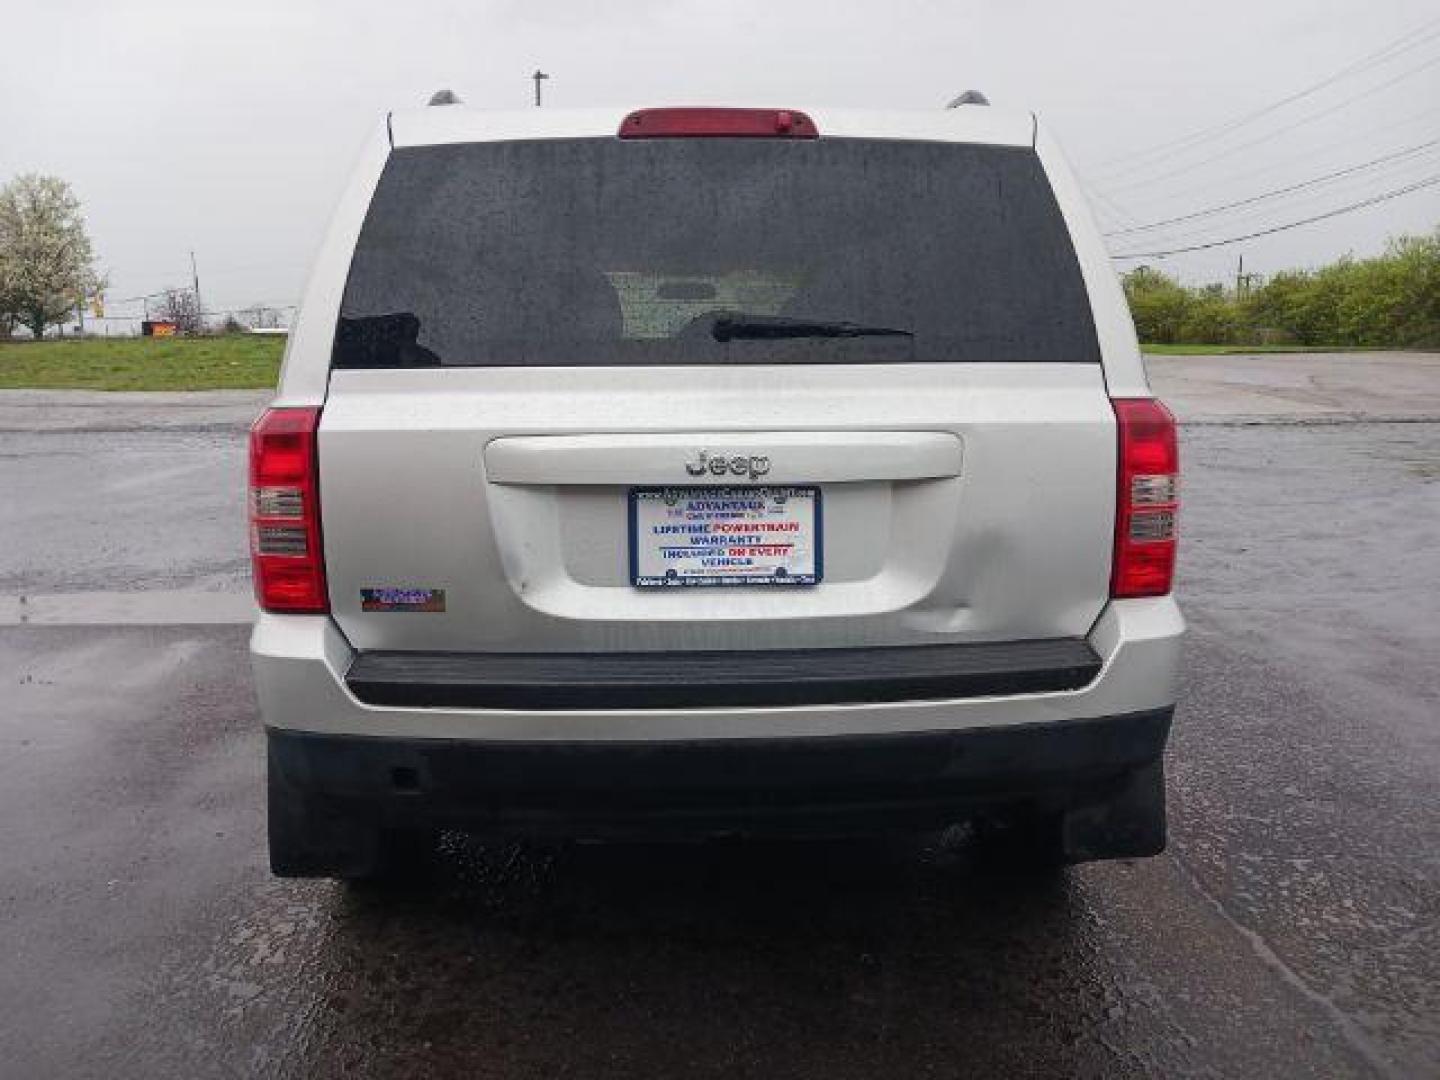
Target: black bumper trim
(682,680)
(869,778)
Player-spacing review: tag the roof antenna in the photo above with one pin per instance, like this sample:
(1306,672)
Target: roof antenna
(445,97)
(969,97)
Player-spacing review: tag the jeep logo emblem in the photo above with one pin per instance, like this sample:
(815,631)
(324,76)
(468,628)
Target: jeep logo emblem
(751,466)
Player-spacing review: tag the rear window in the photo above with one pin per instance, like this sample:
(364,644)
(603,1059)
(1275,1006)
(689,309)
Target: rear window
(712,251)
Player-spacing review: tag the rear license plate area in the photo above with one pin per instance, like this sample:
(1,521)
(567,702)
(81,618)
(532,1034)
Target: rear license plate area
(688,537)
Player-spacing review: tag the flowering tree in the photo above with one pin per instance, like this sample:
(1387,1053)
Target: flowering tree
(46,263)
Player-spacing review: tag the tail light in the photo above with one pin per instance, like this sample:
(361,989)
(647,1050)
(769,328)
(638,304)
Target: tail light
(1147,499)
(285,552)
(713,123)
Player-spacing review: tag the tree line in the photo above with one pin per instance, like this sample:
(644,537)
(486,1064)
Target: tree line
(1392,299)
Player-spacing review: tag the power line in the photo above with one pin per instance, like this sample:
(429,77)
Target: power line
(1269,136)
(137,299)
(1403,44)
(1274,192)
(1260,213)
(1208,188)
(1383,197)
(1121,214)
(1313,200)
(250,268)
(1380,56)
(208,311)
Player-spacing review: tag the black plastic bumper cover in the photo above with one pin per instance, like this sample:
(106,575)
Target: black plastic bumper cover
(780,677)
(603,787)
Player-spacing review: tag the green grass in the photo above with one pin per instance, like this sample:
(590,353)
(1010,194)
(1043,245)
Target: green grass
(1228,350)
(230,362)
(245,362)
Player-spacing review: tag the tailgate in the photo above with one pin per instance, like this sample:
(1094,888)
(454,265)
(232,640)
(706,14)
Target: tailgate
(961,503)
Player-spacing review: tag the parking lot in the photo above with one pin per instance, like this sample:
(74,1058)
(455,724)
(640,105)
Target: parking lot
(1292,929)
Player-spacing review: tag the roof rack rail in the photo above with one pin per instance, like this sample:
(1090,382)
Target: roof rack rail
(969,97)
(445,97)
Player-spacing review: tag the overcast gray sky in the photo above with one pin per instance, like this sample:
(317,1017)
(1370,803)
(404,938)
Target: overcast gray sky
(229,127)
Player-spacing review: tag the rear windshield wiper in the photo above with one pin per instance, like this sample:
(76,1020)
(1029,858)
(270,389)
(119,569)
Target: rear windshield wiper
(748,327)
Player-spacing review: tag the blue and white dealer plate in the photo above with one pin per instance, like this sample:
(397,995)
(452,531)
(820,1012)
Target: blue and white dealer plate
(691,536)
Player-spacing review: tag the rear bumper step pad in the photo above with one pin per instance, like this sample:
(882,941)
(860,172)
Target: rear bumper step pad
(684,680)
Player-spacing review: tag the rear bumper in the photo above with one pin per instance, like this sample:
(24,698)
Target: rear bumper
(1130,660)
(604,789)
(1078,727)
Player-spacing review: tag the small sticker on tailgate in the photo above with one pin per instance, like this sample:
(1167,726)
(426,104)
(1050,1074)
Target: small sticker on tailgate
(392,599)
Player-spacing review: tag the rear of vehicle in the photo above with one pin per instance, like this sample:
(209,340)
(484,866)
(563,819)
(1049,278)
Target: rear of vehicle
(712,471)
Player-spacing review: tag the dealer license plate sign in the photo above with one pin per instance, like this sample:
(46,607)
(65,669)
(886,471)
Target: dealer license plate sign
(695,536)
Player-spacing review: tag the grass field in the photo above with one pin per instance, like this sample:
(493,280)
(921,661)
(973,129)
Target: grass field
(231,362)
(1231,350)
(245,362)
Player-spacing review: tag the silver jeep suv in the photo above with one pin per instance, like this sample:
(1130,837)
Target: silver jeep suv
(713,471)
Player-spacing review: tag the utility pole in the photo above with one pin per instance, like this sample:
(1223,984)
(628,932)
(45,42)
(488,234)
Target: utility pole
(1243,280)
(538,76)
(199,307)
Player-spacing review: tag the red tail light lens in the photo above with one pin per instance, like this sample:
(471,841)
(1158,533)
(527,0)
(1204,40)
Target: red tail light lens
(285,551)
(1147,500)
(718,123)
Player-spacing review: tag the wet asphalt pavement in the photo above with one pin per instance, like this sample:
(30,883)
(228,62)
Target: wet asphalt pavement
(1293,929)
